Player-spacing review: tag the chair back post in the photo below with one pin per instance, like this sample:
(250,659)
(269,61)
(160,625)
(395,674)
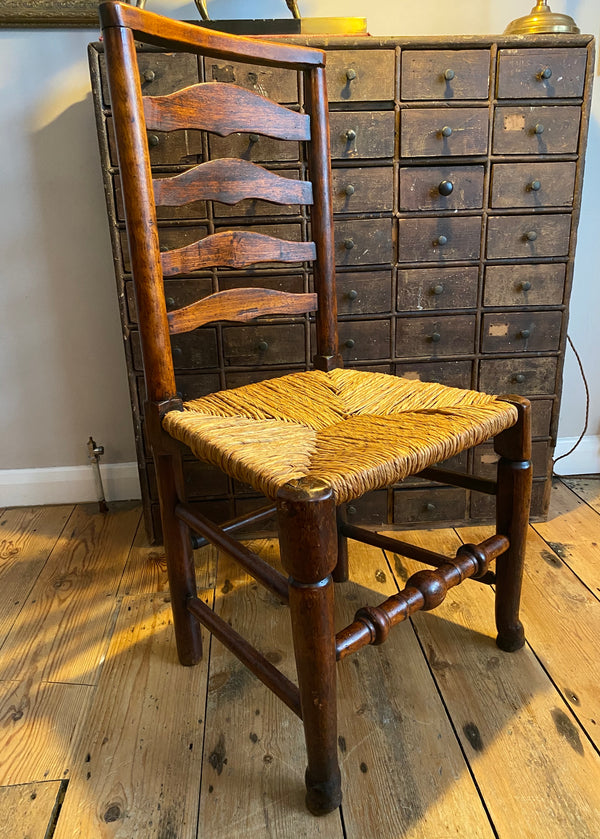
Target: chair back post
(140,212)
(327,356)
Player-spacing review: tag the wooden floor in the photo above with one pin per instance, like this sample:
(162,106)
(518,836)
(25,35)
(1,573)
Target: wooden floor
(103,734)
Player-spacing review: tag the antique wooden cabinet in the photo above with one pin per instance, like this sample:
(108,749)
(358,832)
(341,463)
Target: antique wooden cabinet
(457,169)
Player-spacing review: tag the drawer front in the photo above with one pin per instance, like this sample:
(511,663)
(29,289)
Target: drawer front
(263,344)
(524,285)
(165,148)
(252,207)
(521,332)
(169,238)
(201,480)
(541,73)
(195,385)
(247,377)
(195,210)
(536,130)
(363,241)
(360,75)
(445,74)
(437,288)
(450,373)
(427,505)
(253,147)
(437,132)
(435,336)
(485,461)
(359,135)
(441,188)
(178,293)
(533,184)
(271,82)
(364,340)
(525,376)
(160,73)
(363,190)
(483,506)
(292,283)
(191,350)
(439,239)
(363,293)
(369,509)
(541,416)
(525,237)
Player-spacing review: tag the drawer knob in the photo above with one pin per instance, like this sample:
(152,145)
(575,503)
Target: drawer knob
(436,338)
(544,74)
(350,74)
(170,301)
(538,128)
(350,134)
(429,507)
(531,235)
(263,346)
(519,378)
(153,140)
(449,74)
(177,352)
(441,240)
(352,294)
(351,510)
(446,131)
(446,188)
(349,244)
(149,75)
(438,289)
(350,189)
(254,138)
(535,186)
(525,286)
(349,343)
(163,249)
(524,333)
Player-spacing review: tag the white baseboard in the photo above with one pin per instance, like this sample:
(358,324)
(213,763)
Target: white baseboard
(67,484)
(585,460)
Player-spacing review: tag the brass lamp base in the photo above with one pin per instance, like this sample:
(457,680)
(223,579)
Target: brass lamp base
(542,21)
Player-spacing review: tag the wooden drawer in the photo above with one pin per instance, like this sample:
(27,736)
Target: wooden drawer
(363,190)
(441,188)
(272,82)
(525,376)
(364,340)
(485,459)
(521,332)
(429,505)
(533,184)
(360,75)
(541,73)
(524,285)
(263,344)
(450,373)
(293,283)
(535,129)
(363,241)
(178,293)
(483,506)
(445,74)
(439,239)
(443,132)
(253,147)
(541,417)
(436,288)
(524,237)
(435,336)
(361,134)
(166,148)
(195,385)
(370,509)
(160,73)
(191,350)
(250,208)
(241,378)
(201,480)
(365,292)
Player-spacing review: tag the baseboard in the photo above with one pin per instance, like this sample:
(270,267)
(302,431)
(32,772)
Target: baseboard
(67,484)
(585,460)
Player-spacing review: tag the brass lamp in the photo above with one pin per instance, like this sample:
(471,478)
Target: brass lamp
(542,21)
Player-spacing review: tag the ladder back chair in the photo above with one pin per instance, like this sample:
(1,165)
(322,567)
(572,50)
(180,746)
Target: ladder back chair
(309,441)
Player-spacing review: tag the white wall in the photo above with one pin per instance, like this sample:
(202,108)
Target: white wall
(62,374)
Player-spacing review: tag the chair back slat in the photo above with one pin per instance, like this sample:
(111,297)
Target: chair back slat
(234,249)
(239,305)
(230,180)
(224,109)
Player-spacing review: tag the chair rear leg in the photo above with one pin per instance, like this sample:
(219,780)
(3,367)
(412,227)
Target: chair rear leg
(308,539)
(512,519)
(180,558)
(341,570)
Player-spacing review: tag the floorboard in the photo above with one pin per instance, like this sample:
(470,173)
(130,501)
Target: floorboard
(28,809)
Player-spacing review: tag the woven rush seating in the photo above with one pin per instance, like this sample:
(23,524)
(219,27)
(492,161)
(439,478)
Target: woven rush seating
(355,431)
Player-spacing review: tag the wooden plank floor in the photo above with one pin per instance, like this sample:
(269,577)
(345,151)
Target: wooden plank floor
(103,734)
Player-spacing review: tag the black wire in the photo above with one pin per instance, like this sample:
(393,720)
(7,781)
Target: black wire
(587,408)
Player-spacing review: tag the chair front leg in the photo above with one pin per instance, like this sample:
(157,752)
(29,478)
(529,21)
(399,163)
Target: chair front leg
(512,520)
(308,540)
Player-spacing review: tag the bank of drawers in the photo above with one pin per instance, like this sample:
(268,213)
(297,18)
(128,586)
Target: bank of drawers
(456,188)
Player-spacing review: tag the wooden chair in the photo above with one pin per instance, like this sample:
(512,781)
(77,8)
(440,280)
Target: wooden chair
(310,441)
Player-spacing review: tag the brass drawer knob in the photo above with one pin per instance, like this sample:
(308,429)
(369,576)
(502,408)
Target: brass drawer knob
(170,301)
(438,289)
(441,240)
(153,140)
(429,507)
(350,189)
(263,346)
(538,128)
(352,294)
(177,352)
(446,131)
(351,510)
(519,378)
(524,333)
(149,75)
(534,186)
(254,138)
(349,244)
(544,74)
(449,74)
(435,338)
(350,74)
(525,286)
(349,342)
(350,134)
(446,188)
(531,235)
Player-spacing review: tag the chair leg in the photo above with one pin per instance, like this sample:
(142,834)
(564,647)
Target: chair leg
(180,558)
(308,539)
(512,519)
(341,570)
